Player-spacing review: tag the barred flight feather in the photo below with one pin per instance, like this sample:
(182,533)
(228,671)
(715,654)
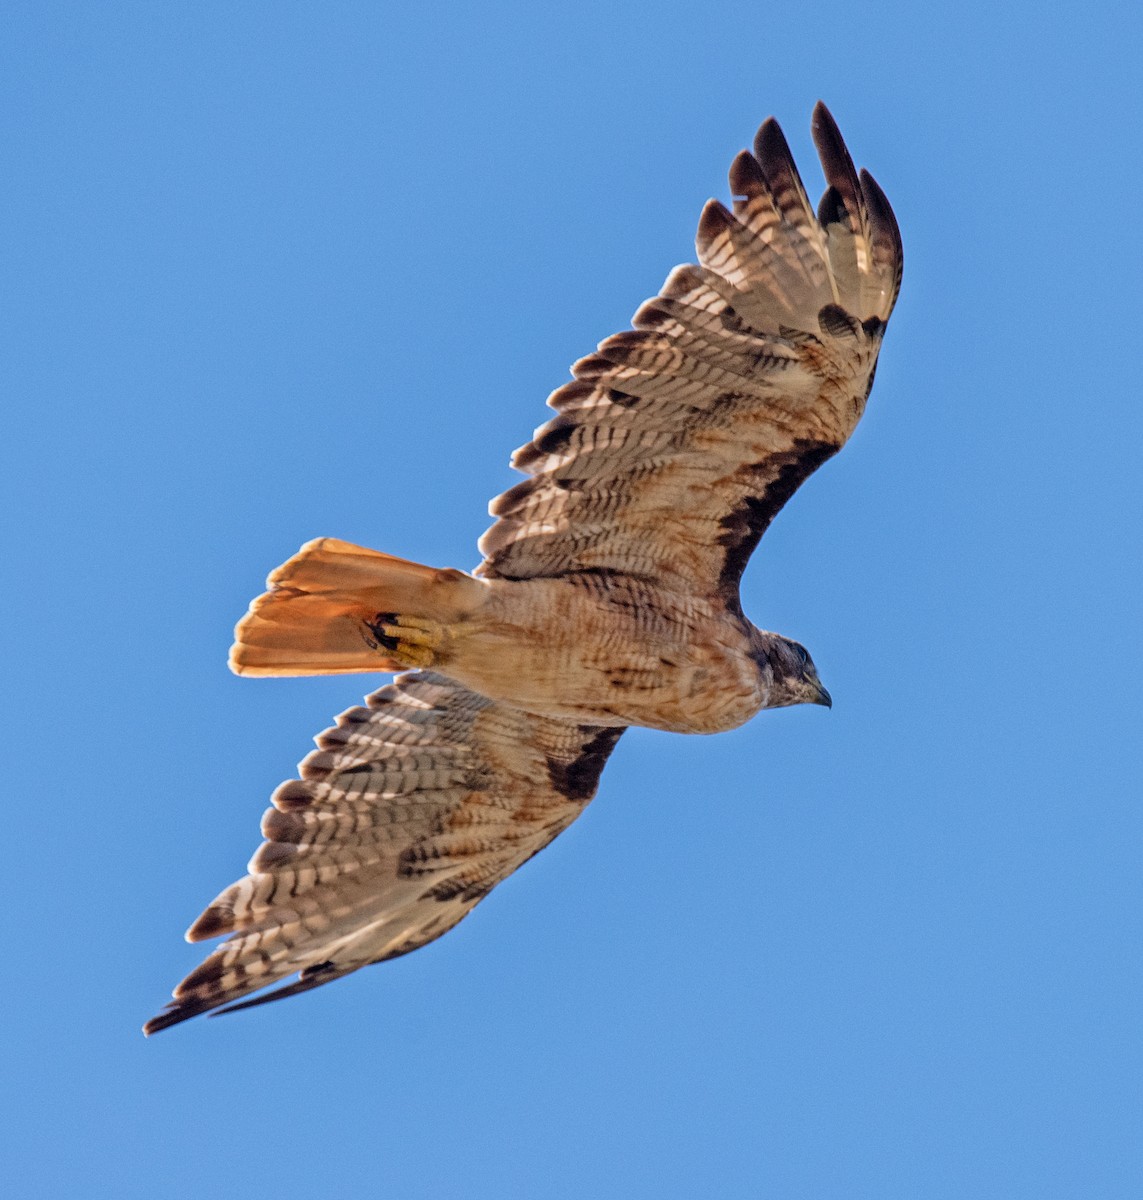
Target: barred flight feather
(773,339)
(358,868)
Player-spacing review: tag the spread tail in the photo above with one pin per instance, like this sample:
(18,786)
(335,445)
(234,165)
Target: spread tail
(335,608)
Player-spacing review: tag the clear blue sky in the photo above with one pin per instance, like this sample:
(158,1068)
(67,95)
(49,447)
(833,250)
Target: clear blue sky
(278,270)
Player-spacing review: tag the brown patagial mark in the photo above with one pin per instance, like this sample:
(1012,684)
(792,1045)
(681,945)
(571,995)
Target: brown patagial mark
(608,594)
(578,779)
(742,529)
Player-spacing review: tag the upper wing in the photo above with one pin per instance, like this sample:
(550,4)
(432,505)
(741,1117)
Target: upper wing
(681,439)
(409,813)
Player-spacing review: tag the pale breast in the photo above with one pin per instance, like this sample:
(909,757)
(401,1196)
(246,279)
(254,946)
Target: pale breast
(607,649)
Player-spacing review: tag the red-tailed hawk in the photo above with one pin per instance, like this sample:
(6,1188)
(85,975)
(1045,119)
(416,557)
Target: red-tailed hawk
(608,594)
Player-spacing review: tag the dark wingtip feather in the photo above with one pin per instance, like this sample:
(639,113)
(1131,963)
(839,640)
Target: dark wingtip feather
(887,249)
(317,765)
(182,1010)
(823,117)
(714,220)
(175,1014)
(770,142)
(311,977)
(272,856)
(838,167)
(746,178)
(831,145)
(292,795)
(780,171)
(682,281)
(881,217)
(214,921)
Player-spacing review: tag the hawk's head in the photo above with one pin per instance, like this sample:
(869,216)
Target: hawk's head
(788,672)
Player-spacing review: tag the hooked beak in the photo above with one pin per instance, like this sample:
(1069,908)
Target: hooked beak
(823,697)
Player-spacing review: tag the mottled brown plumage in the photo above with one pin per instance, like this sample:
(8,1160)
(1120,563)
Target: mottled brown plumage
(608,594)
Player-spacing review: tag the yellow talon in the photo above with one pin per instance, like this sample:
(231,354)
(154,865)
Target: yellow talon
(407,639)
(417,656)
(407,630)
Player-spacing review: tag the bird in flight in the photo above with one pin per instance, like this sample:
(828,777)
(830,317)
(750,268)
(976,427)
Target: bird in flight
(608,595)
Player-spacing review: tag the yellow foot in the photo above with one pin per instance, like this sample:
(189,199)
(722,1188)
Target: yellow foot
(410,640)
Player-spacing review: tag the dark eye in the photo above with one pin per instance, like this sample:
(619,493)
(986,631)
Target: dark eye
(803,654)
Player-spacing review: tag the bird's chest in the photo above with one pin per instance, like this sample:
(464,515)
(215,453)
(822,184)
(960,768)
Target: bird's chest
(611,650)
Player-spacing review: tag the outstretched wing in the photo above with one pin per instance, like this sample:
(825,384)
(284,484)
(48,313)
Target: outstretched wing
(681,439)
(407,815)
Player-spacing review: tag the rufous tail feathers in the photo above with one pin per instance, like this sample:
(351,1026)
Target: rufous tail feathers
(335,608)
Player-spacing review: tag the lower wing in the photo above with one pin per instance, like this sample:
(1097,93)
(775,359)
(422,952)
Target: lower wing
(410,811)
